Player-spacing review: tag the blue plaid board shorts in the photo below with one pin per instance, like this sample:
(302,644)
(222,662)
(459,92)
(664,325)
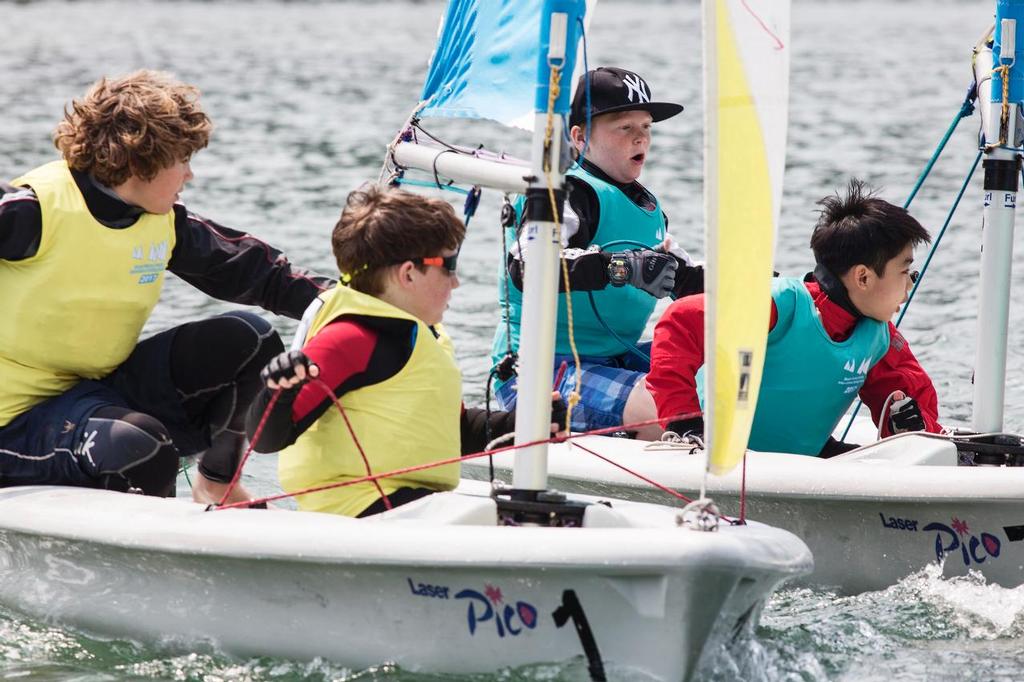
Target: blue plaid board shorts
(606,385)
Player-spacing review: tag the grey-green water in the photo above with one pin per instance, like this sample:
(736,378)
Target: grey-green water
(305,96)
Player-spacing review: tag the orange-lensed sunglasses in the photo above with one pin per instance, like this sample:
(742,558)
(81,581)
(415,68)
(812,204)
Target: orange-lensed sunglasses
(446,262)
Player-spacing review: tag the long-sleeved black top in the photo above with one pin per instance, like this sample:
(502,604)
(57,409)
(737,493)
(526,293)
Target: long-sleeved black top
(219,261)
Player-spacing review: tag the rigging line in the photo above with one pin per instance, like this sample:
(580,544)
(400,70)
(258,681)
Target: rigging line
(554,90)
(764,26)
(924,268)
(451,460)
(487,422)
(586,90)
(418,126)
(437,179)
(664,488)
(966,109)
(248,451)
(410,122)
(259,432)
(1004,117)
(507,279)
(432,185)
(631,472)
(630,348)
(938,238)
(329,392)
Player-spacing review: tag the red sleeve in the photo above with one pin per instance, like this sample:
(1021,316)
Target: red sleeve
(899,370)
(341,350)
(676,354)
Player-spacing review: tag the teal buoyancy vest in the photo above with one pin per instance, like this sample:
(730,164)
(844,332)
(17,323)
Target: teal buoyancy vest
(809,380)
(625,309)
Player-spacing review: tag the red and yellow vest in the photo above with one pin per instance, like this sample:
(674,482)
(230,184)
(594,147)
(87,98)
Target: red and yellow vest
(411,418)
(75,309)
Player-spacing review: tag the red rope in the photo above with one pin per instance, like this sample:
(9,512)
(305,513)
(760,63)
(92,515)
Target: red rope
(252,444)
(386,474)
(375,478)
(439,463)
(259,432)
(659,486)
(366,462)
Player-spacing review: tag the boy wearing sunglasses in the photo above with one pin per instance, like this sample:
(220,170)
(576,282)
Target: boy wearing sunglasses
(378,343)
(831,338)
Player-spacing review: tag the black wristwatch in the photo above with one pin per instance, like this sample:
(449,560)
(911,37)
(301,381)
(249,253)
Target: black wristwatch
(619,271)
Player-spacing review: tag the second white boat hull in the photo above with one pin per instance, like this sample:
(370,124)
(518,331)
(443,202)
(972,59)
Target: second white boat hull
(870,517)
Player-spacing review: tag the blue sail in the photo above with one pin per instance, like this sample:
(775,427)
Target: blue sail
(485,63)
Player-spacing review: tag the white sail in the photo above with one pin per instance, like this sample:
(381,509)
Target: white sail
(746,93)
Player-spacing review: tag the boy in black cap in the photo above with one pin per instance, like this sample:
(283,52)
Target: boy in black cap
(620,256)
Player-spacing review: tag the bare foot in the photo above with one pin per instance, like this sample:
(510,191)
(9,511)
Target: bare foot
(206,491)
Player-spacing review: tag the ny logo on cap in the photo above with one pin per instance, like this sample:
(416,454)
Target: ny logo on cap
(635,84)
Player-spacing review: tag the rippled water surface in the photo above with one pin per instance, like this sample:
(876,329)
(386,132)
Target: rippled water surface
(304,98)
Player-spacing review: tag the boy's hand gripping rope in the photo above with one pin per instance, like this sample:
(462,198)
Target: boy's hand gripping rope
(259,431)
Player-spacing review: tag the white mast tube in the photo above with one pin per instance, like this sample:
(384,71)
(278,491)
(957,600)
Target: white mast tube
(994,295)
(541,245)
(1002,173)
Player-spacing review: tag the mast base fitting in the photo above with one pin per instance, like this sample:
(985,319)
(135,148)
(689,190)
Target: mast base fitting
(538,205)
(1000,450)
(537,508)
(1002,175)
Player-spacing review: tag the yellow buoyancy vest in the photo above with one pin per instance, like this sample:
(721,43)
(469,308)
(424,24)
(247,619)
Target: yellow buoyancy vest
(74,310)
(411,418)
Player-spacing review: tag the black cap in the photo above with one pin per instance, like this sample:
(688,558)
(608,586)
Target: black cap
(613,89)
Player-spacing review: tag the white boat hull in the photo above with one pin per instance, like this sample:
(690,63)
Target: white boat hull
(870,517)
(435,586)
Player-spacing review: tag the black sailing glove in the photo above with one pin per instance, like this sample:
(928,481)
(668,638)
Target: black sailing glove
(905,415)
(558,412)
(289,369)
(652,271)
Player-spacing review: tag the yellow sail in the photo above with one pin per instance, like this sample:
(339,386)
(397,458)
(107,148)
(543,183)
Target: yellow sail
(746,57)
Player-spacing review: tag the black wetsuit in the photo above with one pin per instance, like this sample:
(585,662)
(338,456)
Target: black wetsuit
(181,392)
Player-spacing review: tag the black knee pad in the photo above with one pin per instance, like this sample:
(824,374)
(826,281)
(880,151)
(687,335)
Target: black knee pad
(268,342)
(222,349)
(129,450)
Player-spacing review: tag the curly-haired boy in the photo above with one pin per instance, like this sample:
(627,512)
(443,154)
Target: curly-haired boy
(84,244)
